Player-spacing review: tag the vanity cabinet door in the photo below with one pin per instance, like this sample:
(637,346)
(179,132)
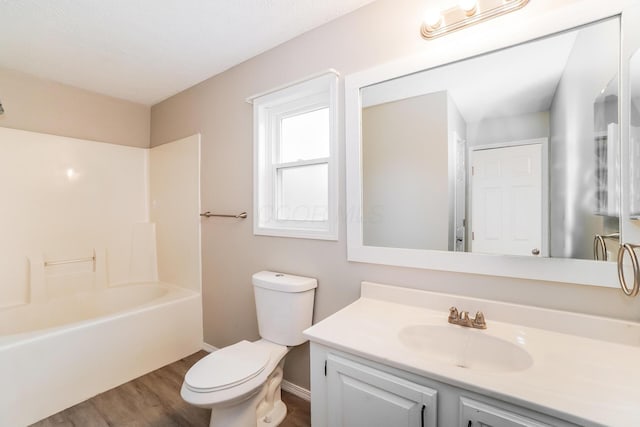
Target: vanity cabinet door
(476,414)
(361,396)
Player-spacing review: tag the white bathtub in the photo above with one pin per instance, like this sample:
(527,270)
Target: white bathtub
(58,353)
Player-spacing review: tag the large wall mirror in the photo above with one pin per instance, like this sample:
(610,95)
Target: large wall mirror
(499,158)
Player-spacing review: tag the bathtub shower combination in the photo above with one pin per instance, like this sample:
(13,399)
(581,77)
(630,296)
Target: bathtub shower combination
(77,319)
(58,351)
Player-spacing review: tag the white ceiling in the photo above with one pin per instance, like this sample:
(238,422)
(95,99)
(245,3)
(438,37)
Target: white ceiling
(518,80)
(148,50)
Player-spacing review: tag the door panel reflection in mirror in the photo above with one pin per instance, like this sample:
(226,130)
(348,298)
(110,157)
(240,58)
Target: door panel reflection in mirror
(506,199)
(419,130)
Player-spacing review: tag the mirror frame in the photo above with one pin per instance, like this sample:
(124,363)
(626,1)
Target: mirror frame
(629,228)
(529,24)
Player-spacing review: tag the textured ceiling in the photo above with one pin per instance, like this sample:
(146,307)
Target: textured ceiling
(148,50)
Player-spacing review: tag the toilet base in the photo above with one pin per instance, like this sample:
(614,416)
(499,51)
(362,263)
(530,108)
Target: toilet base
(275,416)
(264,409)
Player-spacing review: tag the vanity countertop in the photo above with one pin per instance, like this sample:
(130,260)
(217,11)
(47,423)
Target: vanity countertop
(584,368)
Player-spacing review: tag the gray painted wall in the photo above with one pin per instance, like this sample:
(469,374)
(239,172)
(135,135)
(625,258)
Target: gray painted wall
(44,106)
(380,32)
(508,129)
(216,107)
(405,173)
(590,67)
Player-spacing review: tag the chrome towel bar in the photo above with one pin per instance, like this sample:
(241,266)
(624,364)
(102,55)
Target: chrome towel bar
(208,214)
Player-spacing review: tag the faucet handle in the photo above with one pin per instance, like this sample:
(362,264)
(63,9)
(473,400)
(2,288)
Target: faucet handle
(464,319)
(479,321)
(453,314)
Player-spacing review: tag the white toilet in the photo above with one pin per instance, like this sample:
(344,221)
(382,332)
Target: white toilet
(241,382)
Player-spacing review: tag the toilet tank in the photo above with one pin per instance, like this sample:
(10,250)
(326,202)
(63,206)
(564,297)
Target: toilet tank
(284,305)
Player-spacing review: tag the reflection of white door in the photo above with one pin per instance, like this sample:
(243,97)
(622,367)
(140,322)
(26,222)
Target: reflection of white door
(506,205)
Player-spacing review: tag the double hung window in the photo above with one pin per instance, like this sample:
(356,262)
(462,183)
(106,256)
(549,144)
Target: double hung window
(295,171)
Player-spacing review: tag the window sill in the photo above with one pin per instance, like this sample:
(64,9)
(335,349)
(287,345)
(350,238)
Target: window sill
(297,234)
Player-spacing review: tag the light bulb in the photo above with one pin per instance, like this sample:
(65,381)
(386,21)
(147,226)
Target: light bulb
(432,19)
(469,6)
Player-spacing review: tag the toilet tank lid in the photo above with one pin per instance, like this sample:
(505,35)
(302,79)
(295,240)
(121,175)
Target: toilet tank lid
(283,282)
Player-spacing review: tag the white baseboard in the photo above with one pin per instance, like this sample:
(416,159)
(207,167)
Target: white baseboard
(296,390)
(208,347)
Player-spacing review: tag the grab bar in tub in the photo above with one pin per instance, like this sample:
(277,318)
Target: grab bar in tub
(73,261)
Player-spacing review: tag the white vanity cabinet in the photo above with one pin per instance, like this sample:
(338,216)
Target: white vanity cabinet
(392,359)
(361,396)
(351,391)
(477,414)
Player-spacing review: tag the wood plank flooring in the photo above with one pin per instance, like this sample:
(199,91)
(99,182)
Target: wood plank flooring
(153,400)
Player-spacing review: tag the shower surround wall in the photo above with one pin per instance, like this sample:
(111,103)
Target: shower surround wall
(174,179)
(67,199)
(63,198)
(88,326)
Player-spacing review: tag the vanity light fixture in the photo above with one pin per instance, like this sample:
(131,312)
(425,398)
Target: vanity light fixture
(432,19)
(467,12)
(470,7)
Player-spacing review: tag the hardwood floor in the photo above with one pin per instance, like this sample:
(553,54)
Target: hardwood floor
(154,400)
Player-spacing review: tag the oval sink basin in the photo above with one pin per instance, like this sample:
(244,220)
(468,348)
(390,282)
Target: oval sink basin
(465,348)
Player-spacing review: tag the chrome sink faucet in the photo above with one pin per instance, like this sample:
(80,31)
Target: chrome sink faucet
(463,319)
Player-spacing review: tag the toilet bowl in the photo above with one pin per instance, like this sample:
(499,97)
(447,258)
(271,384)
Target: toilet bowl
(241,383)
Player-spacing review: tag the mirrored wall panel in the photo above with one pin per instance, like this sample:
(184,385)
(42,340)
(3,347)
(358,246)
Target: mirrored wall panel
(515,152)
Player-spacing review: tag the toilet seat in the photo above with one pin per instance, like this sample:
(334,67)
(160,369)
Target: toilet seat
(227,368)
(238,390)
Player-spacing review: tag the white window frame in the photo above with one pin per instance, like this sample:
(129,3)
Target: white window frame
(268,110)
